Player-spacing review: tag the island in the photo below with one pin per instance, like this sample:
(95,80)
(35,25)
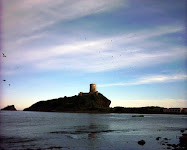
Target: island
(10,107)
(83,102)
(93,101)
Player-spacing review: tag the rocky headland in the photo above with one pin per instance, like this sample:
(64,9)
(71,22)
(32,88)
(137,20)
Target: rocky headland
(80,103)
(93,101)
(10,107)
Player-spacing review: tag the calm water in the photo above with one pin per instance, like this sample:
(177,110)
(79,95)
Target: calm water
(78,131)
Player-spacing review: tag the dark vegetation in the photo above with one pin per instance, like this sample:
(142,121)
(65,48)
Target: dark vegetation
(85,103)
(96,103)
(140,110)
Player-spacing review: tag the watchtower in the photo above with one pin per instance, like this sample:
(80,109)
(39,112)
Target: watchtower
(93,88)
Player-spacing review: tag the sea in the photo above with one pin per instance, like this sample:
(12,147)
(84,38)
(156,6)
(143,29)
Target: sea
(21,130)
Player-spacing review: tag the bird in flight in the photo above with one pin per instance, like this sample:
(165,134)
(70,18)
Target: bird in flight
(3,55)
(4,80)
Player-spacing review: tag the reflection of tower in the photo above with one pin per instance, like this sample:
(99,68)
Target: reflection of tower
(93,88)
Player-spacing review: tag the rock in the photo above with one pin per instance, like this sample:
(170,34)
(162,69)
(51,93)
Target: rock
(142,142)
(138,116)
(158,138)
(174,145)
(182,141)
(10,107)
(55,147)
(165,138)
(84,103)
(182,131)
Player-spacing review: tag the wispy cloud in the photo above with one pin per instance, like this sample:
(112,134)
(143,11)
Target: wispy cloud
(107,53)
(94,38)
(104,53)
(21,18)
(149,80)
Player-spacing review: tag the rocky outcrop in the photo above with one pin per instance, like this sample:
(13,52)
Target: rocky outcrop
(10,107)
(183,140)
(142,142)
(84,103)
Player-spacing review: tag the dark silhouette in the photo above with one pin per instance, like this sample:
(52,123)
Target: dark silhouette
(3,55)
(84,103)
(4,80)
(158,138)
(183,140)
(139,110)
(138,116)
(142,142)
(10,107)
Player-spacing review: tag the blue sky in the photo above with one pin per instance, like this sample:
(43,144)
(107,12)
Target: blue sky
(135,51)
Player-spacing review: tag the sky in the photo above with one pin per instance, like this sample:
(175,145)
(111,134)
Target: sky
(135,51)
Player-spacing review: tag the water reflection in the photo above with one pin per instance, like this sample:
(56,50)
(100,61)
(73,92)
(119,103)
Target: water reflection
(36,130)
(92,135)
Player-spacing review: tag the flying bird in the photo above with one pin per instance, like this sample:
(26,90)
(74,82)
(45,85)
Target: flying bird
(3,55)
(4,80)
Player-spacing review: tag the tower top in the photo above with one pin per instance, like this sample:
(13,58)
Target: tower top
(93,88)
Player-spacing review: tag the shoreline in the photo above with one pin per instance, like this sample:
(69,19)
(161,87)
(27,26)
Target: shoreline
(98,112)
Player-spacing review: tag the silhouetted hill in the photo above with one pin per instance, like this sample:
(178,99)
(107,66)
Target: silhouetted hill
(11,107)
(84,103)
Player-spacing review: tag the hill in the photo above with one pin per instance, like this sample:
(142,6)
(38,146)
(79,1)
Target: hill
(84,103)
(10,107)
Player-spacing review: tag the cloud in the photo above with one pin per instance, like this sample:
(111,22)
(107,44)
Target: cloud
(149,80)
(24,27)
(21,18)
(167,103)
(101,53)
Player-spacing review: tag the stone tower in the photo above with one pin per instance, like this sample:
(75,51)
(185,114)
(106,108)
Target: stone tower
(93,88)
